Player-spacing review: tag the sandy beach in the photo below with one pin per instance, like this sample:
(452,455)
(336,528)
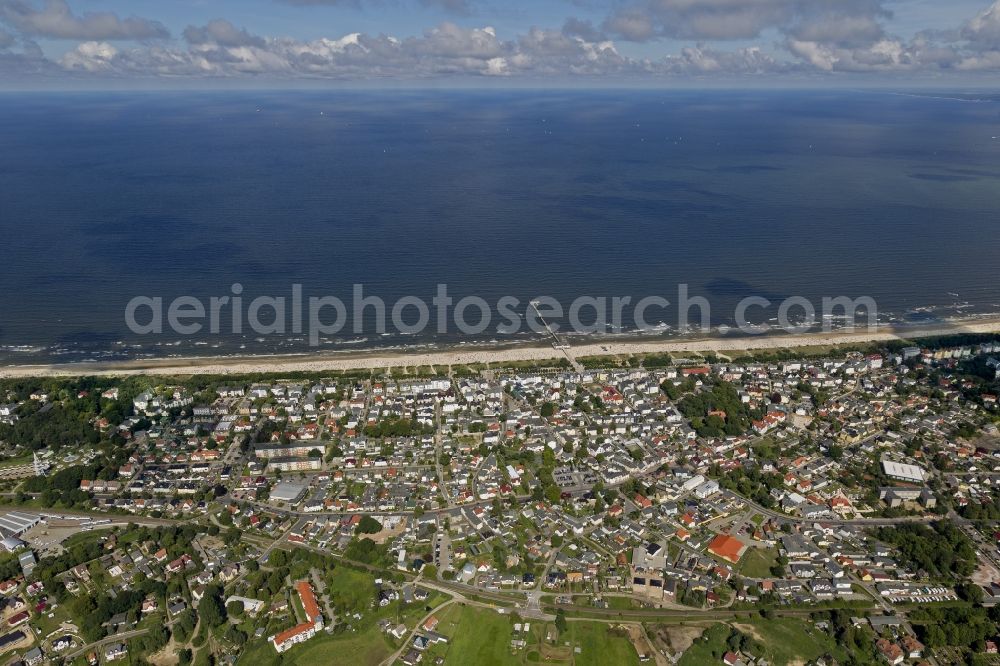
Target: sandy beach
(381,359)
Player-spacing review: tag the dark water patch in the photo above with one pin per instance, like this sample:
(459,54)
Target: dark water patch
(745,168)
(943,177)
(520,193)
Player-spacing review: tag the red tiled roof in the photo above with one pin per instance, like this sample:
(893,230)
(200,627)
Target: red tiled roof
(288,634)
(308,600)
(727,547)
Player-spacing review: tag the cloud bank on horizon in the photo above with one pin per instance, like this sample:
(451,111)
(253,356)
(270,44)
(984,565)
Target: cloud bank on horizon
(611,40)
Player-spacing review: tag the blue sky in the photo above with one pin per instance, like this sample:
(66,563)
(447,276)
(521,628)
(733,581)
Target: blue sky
(408,18)
(71,43)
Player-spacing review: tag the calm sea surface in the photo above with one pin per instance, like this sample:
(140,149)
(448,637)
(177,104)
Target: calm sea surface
(108,196)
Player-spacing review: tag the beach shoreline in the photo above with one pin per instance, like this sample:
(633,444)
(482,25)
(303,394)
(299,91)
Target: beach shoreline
(495,356)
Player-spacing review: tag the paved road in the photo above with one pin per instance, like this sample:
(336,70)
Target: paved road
(117,638)
(320,585)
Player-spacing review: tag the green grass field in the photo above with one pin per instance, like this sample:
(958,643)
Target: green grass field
(84,537)
(365,648)
(19,460)
(476,636)
(757,562)
(600,645)
(620,603)
(46,625)
(786,640)
(483,637)
(350,590)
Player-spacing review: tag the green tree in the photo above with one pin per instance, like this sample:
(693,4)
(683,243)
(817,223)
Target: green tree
(368,525)
(235,609)
(210,608)
(561,623)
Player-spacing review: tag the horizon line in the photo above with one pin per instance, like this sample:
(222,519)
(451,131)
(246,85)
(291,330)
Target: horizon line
(855,86)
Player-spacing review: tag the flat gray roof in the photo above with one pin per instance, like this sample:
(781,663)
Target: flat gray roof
(288,490)
(16,524)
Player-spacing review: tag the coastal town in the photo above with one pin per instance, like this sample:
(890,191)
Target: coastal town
(827,505)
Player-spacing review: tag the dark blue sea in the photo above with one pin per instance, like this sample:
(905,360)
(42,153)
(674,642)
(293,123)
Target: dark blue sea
(108,196)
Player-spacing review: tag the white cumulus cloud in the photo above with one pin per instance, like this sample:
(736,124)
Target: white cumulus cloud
(54,19)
